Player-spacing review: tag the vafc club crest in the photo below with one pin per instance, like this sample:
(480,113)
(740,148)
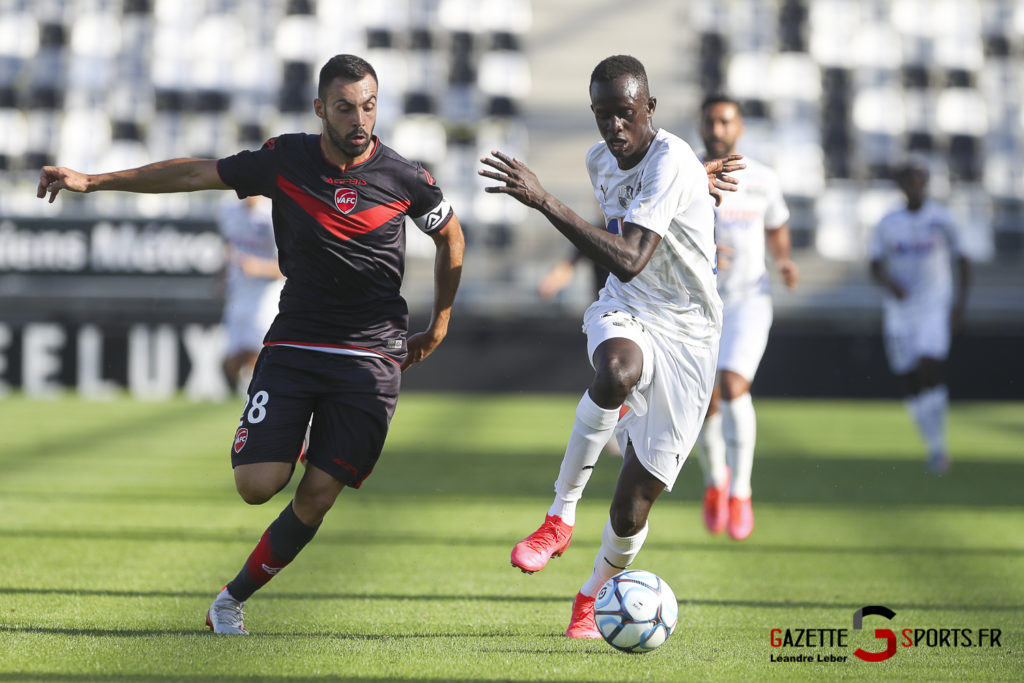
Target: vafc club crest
(625,196)
(346,199)
(241,436)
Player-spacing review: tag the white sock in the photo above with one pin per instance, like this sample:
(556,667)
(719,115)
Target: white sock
(739,427)
(915,405)
(711,451)
(616,554)
(934,404)
(591,430)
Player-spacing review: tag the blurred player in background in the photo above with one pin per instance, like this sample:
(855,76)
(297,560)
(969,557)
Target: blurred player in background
(338,345)
(910,251)
(746,220)
(562,273)
(652,336)
(253,283)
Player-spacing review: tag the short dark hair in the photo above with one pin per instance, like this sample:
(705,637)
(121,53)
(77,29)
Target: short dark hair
(720,98)
(347,67)
(910,165)
(615,66)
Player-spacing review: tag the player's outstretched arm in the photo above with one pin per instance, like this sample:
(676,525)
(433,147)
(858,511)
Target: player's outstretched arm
(623,255)
(173,175)
(450,244)
(718,181)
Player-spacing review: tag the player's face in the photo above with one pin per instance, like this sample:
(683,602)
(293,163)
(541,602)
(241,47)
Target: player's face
(623,111)
(913,183)
(349,113)
(720,127)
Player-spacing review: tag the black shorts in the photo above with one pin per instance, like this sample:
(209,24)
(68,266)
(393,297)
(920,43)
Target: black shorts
(350,398)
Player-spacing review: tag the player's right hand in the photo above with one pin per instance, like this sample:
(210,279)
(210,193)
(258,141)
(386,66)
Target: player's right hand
(53,179)
(718,181)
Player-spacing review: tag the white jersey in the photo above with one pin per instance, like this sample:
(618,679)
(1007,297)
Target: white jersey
(740,223)
(248,231)
(916,247)
(667,193)
(251,302)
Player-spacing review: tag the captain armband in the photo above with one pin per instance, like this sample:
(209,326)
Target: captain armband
(435,219)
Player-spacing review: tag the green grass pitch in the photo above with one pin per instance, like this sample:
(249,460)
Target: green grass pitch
(119,523)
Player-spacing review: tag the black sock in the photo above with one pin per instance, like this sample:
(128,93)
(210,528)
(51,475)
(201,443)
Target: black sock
(281,542)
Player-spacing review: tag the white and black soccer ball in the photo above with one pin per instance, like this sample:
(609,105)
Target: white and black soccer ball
(636,611)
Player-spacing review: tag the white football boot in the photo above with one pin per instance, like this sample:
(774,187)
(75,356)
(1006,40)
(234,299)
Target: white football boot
(225,615)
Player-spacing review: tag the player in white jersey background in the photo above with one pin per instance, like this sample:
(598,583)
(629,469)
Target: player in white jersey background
(253,283)
(652,336)
(746,221)
(911,251)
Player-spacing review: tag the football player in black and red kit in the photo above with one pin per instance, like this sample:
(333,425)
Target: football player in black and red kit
(338,345)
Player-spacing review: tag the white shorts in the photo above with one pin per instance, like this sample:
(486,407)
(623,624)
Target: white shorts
(248,312)
(913,333)
(668,404)
(745,326)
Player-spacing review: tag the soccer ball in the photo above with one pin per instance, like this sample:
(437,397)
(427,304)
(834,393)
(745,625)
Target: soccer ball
(636,611)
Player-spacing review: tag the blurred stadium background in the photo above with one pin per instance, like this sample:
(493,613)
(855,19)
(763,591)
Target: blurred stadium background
(108,291)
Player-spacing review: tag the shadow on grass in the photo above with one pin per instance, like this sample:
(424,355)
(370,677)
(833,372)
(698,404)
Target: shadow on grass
(377,537)
(204,633)
(792,480)
(213,678)
(434,597)
(183,415)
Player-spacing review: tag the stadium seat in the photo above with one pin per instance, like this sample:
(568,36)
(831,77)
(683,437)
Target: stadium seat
(13,135)
(292,39)
(504,72)
(460,15)
(748,75)
(838,235)
(795,76)
(961,111)
(420,137)
(506,16)
(85,135)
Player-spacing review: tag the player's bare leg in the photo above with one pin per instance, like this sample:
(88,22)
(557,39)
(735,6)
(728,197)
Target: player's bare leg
(623,536)
(283,539)
(617,363)
(239,367)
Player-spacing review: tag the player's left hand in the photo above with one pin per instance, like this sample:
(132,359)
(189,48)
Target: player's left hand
(419,346)
(718,181)
(790,272)
(520,182)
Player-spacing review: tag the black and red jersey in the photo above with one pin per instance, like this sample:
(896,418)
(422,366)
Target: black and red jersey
(341,240)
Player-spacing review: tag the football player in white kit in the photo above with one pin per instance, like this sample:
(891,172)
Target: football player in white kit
(652,336)
(910,251)
(253,283)
(748,219)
